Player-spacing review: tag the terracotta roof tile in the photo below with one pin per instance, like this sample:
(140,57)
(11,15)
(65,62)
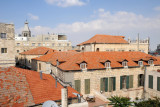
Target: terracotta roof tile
(38,51)
(32,90)
(71,61)
(105,39)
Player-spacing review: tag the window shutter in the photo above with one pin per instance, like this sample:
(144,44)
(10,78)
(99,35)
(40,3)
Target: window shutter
(150,81)
(114,83)
(87,86)
(102,84)
(127,82)
(78,85)
(158,83)
(106,84)
(110,84)
(121,79)
(131,81)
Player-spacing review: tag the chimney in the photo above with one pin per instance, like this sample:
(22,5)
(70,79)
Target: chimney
(56,81)
(64,97)
(41,75)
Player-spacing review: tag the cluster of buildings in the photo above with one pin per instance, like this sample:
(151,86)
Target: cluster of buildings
(101,67)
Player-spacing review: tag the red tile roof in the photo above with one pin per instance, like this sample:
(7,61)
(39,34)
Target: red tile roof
(109,39)
(27,87)
(14,89)
(38,51)
(94,59)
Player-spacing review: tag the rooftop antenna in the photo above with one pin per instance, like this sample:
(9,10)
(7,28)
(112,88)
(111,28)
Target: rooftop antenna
(138,43)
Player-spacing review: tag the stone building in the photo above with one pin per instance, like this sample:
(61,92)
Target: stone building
(7,45)
(106,73)
(113,43)
(24,58)
(158,49)
(26,41)
(152,83)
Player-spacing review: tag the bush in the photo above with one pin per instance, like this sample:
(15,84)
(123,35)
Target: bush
(149,103)
(120,101)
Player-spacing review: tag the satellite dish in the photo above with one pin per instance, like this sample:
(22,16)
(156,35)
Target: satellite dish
(49,103)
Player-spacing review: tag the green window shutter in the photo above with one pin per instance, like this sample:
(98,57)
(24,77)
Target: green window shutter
(87,86)
(110,84)
(150,81)
(127,82)
(121,79)
(106,84)
(114,83)
(158,83)
(131,81)
(102,84)
(78,85)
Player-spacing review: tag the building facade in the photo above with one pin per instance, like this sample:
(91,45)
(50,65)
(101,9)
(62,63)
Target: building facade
(158,49)
(25,42)
(107,73)
(24,58)
(7,45)
(114,43)
(152,83)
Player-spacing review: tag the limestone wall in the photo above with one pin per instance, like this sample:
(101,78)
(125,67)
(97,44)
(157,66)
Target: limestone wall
(8,58)
(150,93)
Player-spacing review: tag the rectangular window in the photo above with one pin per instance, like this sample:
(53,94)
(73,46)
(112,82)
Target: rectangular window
(126,82)
(3,50)
(140,63)
(3,36)
(107,65)
(67,44)
(33,44)
(140,80)
(78,85)
(17,51)
(52,44)
(46,38)
(158,83)
(87,86)
(104,84)
(18,44)
(108,84)
(150,83)
(112,84)
(39,66)
(83,65)
(150,62)
(124,63)
(39,44)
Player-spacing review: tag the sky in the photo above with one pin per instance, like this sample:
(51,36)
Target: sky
(82,19)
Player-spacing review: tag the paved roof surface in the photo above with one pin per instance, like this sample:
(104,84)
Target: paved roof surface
(38,51)
(105,39)
(95,60)
(24,87)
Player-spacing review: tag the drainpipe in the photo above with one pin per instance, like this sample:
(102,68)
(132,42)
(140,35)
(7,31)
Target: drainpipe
(145,74)
(64,95)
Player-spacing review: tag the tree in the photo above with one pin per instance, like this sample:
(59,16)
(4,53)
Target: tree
(149,103)
(120,101)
